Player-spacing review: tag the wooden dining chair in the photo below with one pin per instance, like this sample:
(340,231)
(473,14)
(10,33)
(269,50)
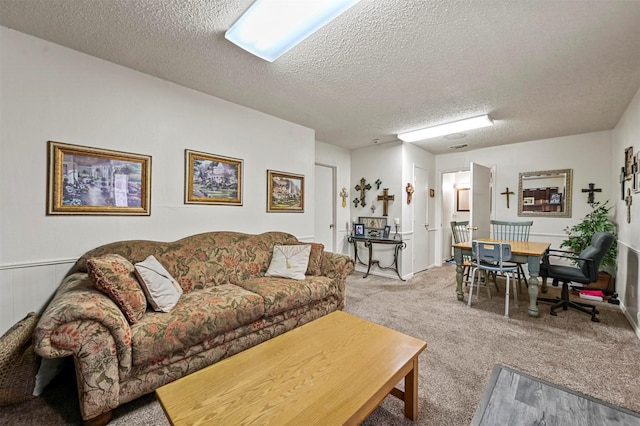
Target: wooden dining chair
(460,231)
(513,231)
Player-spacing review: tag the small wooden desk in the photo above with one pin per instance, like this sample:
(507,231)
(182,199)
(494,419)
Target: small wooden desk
(521,251)
(332,371)
(369,242)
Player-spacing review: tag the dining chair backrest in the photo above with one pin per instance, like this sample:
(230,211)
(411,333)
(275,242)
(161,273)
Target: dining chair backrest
(514,231)
(490,252)
(460,231)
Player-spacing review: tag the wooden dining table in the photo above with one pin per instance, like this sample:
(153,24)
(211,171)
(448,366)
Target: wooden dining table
(528,252)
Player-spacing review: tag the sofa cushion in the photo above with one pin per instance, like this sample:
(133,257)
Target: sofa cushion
(114,275)
(315,259)
(282,294)
(198,316)
(289,261)
(161,289)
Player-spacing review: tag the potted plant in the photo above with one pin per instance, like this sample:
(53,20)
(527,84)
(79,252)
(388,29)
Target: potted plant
(579,237)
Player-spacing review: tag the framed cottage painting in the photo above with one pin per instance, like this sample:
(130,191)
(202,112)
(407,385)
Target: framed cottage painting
(94,181)
(285,192)
(212,179)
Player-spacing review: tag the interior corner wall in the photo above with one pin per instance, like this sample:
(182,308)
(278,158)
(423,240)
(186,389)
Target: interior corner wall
(49,92)
(627,134)
(588,155)
(340,158)
(382,162)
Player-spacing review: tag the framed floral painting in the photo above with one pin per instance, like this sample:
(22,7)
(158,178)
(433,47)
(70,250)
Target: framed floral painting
(212,179)
(94,181)
(285,192)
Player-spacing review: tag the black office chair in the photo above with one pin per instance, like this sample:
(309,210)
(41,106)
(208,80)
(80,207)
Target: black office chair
(585,273)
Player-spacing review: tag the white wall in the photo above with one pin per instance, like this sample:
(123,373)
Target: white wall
(626,134)
(382,162)
(53,93)
(589,155)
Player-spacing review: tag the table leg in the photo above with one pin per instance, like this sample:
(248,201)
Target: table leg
(457,256)
(370,247)
(533,263)
(411,392)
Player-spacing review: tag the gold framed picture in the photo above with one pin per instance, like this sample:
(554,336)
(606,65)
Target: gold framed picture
(93,181)
(212,179)
(285,192)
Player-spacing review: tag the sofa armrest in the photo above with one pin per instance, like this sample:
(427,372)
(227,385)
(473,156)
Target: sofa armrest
(84,322)
(338,267)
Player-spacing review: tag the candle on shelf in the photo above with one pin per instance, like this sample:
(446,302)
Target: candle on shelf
(396,221)
(353,219)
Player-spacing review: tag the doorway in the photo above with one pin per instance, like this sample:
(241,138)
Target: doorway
(325,206)
(421,253)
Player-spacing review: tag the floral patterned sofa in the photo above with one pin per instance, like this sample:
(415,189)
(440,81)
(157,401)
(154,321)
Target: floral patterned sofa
(227,305)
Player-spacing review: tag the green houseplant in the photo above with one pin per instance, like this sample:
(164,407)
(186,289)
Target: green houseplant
(598,220)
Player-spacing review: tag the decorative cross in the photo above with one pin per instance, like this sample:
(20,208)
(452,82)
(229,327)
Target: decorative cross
(356,201)
(622,179)
(373,208)
(507,193)
(378,182)
(628,202)
(385,198)
(344,194)
(410,192)
(362,187)
(591,190)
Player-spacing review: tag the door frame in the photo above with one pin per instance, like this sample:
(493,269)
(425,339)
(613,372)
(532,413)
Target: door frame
(439,206)
(334,203)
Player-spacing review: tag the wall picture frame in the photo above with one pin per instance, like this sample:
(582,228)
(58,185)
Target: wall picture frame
(285,192)
(628,162)
(212,179)
(85,180)
(373,222)
(462,199)
(555,198)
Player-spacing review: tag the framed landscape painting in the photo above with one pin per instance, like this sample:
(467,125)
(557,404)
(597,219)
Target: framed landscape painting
(285,192)
(94,181)
(212,179)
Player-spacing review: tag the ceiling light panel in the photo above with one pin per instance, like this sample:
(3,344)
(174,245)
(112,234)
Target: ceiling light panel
(446,129)
(269,28)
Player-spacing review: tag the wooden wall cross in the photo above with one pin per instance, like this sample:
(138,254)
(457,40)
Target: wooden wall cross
(507,193)
(385,198)
(362,187)
(628,200)
(344,194)
(591,190)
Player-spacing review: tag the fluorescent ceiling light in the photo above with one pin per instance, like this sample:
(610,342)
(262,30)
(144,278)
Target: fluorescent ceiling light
(271,27)
(446,129)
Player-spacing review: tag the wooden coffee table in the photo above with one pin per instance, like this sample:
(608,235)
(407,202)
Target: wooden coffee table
(332,371)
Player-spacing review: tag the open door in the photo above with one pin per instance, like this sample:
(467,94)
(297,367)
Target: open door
(480,205)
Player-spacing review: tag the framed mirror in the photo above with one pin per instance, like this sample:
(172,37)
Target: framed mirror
(545,193)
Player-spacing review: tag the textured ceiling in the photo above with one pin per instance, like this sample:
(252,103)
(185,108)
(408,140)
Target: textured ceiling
(541,69)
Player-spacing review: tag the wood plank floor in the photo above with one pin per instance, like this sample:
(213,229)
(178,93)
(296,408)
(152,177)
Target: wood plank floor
(514,398)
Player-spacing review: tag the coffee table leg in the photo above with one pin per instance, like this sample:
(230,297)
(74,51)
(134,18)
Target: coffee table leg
(411,392)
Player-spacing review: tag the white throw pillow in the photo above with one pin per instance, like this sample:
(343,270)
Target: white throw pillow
(289,261)
(163,292)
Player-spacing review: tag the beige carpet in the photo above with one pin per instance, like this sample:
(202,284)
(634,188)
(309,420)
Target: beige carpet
(598,359)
